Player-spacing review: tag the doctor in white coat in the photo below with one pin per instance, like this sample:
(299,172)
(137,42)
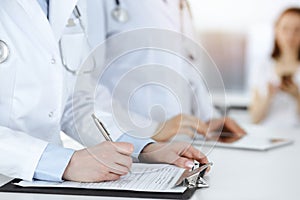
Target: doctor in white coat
(187,110)
(34,99)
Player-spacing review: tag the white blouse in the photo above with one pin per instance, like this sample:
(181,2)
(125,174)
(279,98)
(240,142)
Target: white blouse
(283,112)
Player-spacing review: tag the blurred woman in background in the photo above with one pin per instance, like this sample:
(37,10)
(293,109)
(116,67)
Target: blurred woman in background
(276,94)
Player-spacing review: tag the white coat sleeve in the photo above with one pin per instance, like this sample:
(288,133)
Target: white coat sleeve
(82,103)
(20,153)
(202,102)
(78,123)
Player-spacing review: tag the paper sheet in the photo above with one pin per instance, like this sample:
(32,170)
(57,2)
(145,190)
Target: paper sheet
(143,177)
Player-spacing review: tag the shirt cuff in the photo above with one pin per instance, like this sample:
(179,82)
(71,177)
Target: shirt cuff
(53,163)
(138,143)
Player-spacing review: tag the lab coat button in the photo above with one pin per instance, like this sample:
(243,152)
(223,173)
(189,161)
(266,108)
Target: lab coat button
(51,114)
(53,61)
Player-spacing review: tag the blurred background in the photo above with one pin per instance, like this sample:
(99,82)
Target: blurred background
(238,36)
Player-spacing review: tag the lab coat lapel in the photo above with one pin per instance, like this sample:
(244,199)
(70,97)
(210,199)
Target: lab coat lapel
(41,31)
(60,12)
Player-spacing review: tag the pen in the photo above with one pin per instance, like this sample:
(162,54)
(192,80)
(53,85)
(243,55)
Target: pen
(101,128)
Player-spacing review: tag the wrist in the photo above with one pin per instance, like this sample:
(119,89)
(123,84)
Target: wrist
(148,147)
(67,174)
(139,144)
(145,155)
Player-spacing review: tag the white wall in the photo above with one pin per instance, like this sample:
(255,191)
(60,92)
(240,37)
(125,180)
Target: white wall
(236,14)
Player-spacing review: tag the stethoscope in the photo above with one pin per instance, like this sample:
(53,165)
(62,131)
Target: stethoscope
(119,14)
(77,14)
(184,4)
(4,51)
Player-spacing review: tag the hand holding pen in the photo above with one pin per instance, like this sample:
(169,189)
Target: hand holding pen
(179,154)
(106,161)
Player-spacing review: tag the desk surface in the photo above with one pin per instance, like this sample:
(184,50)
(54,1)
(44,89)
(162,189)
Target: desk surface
(239,174)
(236,174)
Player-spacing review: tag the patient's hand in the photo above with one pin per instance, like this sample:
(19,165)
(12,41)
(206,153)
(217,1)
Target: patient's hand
(291,88)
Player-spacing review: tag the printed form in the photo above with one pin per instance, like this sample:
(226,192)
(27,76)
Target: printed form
(143,177)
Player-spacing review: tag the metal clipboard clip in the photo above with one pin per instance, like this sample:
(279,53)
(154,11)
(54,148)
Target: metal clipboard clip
(194,178)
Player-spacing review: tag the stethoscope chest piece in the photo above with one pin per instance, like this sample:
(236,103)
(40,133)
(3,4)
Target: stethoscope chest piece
(4,51)
(119,14)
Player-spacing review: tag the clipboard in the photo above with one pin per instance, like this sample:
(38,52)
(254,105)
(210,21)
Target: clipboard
(10,187)
(191,179)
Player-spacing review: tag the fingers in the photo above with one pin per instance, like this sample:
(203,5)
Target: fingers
(184,163)
(180,124)
(223,125)
(187,164)
(233,127)
(194,154)
(188,151)
(105,161)
(284,87)
(118,169)
(228,139)
(186,158)
(194,123)
(189,124)
(228,125)
(187,131)
(111,177)
(121,161)
(272,89)
(215,124)
(124,148)
(124,160)
(118,164)
(197,124)
(115,156)
(289,85)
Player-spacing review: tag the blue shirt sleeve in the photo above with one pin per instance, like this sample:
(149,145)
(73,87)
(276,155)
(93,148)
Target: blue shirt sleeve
(138,143)
(53,163)
(55,159)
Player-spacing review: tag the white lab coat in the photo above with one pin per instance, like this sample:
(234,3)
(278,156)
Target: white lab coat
(153,101)
(34,86)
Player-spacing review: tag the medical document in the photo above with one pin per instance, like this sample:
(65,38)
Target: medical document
(143,177)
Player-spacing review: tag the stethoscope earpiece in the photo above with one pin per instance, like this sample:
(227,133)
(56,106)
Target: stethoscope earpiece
(4,51)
